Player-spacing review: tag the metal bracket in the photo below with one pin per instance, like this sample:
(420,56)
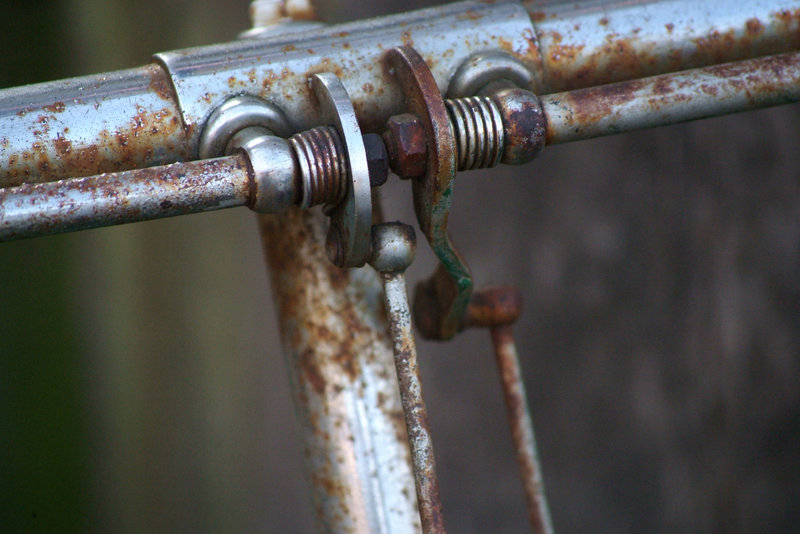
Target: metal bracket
(440,302)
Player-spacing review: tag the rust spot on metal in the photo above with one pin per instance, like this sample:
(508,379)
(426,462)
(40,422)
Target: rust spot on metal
(754,27)
(59,156)
(56,107)
(669,26)
(603,21)
(160,83)
(493,307)
(538,16)
(288,48)
(311,371)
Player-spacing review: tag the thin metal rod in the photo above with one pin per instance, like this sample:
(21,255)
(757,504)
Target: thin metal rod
(416,415)
(672,98)
(33,210)
(519,420)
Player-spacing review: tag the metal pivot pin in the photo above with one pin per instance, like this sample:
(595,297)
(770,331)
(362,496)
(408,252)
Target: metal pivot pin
(393,247)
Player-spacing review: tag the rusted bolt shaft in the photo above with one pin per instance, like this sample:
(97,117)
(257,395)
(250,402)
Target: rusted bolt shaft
(497,309)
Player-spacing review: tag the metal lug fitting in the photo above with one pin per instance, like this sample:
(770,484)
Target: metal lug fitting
(503,124)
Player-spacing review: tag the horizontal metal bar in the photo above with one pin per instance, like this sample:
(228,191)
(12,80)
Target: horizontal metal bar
(33,210)
(39,209)
(672,98)
(149,116)
(585,43)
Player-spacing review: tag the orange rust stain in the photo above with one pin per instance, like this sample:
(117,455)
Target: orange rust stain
(306,362)
(669,26)
(591,105)
(560,53)
(472,15)
(368,88)
(160,83)
(288,48)
(603,21)
(538,16)
(56,107)
(754,27)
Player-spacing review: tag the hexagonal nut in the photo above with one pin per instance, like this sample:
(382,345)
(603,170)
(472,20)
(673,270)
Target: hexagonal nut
(407,145)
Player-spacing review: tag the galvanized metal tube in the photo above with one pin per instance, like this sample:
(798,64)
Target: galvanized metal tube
(416,415)
(83,126)
(519,420)
(594,42)
(32,210)
(672,98)
(340,361)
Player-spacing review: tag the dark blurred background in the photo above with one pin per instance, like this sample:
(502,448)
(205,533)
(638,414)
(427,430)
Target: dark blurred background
(142,386)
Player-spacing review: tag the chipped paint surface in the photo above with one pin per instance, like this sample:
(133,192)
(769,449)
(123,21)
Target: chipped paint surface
(340,358)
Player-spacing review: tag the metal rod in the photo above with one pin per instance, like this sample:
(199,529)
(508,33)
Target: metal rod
(672,98)
(519,420)
(40,209)
(497,309)
(593,42)
(416,415)
(393,247)
(33,210)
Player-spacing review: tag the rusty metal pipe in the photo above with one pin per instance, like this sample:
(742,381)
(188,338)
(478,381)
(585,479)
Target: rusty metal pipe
(595,42)
(672,98)
(33,210)
(89,125)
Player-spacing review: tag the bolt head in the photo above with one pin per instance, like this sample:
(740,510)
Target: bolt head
(407,145)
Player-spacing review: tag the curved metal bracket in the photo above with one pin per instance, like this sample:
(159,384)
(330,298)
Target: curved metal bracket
(348,242)
(441,301)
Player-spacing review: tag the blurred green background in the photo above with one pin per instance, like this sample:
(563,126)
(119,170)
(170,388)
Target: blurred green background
(142,387)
